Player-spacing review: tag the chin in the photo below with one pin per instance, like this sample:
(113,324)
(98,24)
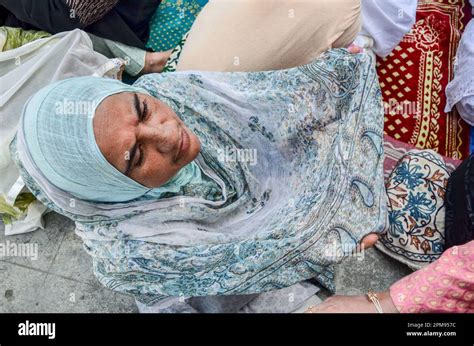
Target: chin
(195,147)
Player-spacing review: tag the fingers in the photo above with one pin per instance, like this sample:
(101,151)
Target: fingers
(355,49)
(367,242)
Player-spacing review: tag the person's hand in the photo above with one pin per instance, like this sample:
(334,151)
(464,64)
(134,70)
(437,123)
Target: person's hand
(343,304)
(367,242)
(353,304)
(355,49)
(155,61)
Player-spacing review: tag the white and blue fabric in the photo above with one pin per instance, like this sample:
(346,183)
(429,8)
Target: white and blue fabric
(314,191)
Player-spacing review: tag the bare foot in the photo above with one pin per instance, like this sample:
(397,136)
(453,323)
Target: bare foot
(155,61)
(354,304)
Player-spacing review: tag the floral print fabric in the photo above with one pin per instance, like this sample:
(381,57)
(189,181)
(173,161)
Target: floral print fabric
(298,156)
(416,190)
(446,285)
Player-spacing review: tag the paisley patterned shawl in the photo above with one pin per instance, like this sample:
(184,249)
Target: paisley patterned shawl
(313,190)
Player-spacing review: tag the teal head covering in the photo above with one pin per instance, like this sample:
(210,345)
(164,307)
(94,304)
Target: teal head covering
(57,122)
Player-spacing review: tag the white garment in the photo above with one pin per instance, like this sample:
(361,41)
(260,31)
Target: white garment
(3,39)
(460,91)
(386,22)
(25,70)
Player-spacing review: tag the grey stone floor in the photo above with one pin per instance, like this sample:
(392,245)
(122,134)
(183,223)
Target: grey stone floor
(61,278)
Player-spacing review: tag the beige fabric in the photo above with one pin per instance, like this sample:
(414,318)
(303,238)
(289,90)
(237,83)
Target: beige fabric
(259,35)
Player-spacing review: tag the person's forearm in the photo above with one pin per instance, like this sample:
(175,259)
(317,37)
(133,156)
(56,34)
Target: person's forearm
(445,285)
(387,303)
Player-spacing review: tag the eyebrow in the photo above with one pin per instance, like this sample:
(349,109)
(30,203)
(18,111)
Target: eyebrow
(133,150)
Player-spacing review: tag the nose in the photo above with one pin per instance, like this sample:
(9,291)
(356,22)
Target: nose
(164,137)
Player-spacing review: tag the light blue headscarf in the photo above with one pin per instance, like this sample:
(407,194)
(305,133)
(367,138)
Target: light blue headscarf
(58,127)
(298,157)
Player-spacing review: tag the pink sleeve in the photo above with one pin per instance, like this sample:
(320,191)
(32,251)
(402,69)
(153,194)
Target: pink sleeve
(446,285)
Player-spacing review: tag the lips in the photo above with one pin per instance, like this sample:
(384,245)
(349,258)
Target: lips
(184,144)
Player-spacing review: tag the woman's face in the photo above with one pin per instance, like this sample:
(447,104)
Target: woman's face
(143,138)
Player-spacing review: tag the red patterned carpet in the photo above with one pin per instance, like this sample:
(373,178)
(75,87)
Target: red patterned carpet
(414,77)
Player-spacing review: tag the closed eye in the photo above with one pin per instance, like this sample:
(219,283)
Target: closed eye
(142,114)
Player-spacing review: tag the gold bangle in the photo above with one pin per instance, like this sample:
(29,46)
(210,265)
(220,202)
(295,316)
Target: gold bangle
(372,296)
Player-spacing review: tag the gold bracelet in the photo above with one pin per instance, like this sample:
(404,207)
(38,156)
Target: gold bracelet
(375,300)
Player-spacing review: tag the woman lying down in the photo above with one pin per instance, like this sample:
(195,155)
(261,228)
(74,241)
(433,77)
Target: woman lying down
(212,183)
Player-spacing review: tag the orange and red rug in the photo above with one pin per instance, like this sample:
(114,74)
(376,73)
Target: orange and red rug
(414,77)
